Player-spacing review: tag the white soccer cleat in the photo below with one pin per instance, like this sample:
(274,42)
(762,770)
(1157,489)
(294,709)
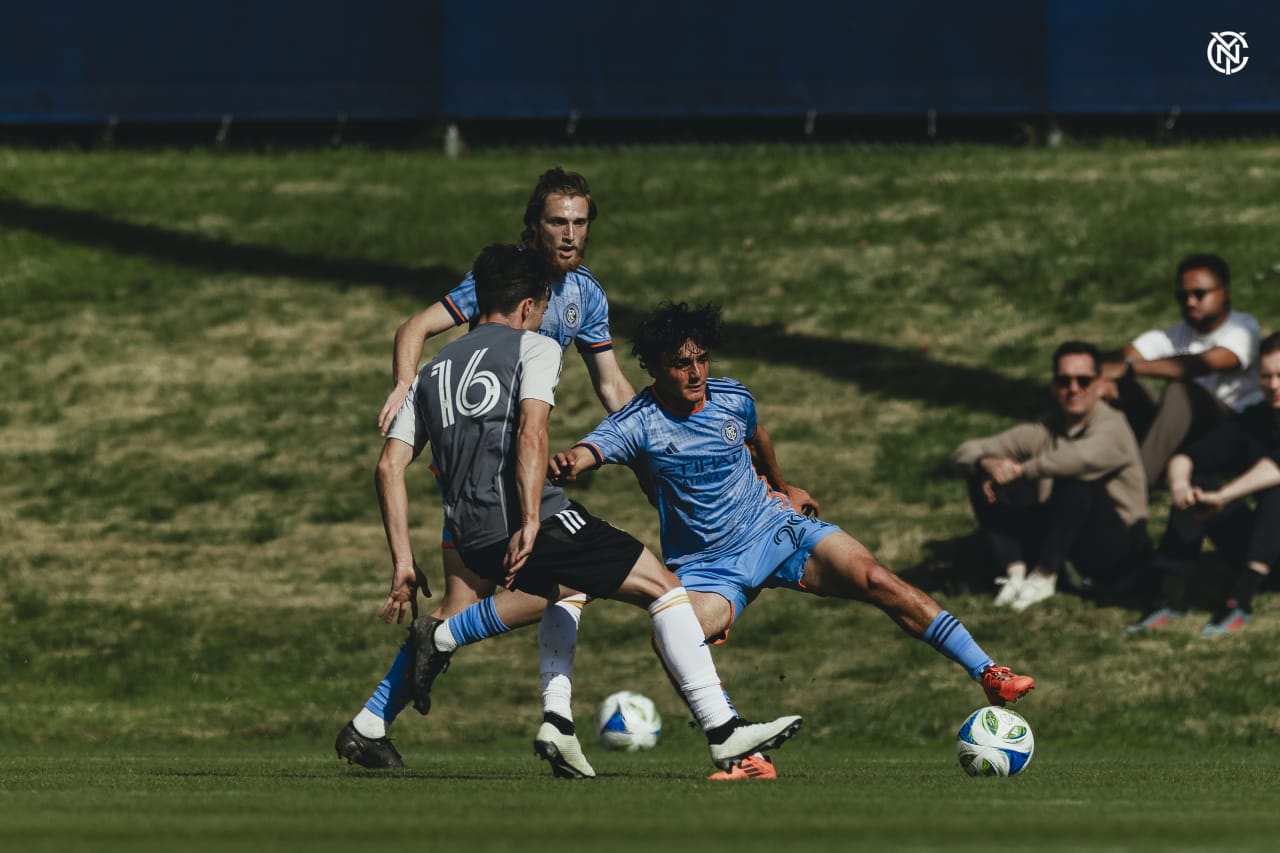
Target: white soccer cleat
(749,738)
(562,752)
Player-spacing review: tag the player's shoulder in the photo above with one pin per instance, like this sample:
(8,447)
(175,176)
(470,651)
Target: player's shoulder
(637,407)
(538,343)
(586,282)
(725,387)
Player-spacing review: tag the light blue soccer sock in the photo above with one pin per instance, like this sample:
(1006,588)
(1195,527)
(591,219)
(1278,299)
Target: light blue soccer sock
(478,622)
(394,692)
(949,637)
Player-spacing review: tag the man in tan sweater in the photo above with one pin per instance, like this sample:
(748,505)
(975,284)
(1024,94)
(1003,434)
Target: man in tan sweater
(1069,486)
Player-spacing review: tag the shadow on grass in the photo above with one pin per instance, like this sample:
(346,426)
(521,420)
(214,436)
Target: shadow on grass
(87,228)
(893,372)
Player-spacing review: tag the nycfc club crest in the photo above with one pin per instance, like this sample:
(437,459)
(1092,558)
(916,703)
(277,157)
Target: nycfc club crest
(571,314)
(732,432)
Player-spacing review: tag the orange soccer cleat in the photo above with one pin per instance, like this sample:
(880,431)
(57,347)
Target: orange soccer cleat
(752,767)
(1004,685)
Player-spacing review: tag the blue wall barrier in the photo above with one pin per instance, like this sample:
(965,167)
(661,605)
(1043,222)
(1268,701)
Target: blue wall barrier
(72,60)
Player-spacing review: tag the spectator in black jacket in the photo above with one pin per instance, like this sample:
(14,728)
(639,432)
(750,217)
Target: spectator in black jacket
(1243,451)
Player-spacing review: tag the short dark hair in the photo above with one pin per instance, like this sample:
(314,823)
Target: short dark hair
(1077,348)
(665,330)
(1270,344)
(1204,261)
(506,275)
(555,182)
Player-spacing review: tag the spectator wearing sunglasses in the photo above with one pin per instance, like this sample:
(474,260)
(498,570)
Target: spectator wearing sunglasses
(1208,485)
(1069,486)
(1208,358)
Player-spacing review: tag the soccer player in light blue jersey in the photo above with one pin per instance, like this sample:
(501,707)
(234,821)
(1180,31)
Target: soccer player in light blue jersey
(557,223)
(727,531)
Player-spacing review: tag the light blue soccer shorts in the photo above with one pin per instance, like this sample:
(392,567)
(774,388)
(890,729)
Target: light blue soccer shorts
(770,560)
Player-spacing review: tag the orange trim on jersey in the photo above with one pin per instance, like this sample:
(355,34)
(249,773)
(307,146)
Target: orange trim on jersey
(601,345)
(593,450)
(774,493)
(458,317)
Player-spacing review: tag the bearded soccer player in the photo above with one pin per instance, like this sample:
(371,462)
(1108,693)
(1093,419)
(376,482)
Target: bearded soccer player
(557,224)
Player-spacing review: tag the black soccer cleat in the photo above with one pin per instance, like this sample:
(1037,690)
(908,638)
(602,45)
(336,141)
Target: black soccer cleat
(425,661)
(375,753)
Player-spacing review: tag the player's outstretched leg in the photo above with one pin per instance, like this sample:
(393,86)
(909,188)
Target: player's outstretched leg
(841,566)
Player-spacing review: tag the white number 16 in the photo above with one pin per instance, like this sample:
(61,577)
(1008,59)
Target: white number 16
(471,378)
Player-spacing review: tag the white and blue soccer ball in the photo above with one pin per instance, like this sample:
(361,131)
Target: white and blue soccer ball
(628,722)
(995,741)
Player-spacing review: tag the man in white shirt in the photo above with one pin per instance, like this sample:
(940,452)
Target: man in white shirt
(1208,360)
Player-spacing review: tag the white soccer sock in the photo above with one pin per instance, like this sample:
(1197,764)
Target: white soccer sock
(558,642)
(444,641)
(370,724)
(684,650)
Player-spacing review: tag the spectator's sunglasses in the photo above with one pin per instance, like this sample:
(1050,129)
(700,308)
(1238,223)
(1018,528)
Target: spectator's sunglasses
(1064,380)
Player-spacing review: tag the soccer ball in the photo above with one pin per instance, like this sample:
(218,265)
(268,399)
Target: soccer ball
(995,742)
(628,721)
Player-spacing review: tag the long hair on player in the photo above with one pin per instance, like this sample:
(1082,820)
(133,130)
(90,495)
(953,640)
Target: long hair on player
(506,275)
(555,182)
(666,330)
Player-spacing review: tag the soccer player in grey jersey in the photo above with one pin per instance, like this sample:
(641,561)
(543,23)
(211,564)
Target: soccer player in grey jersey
(483,403)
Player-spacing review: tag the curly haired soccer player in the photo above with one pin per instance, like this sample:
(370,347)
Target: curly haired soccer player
(725,532)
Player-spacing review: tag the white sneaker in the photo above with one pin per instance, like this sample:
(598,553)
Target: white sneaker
(563,752)
(749,738)
(1009,588)
(1034,589)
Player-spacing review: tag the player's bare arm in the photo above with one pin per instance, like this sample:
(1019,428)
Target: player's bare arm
(765,461)
(410,338)
(393,499)
(531,451)
(610,383)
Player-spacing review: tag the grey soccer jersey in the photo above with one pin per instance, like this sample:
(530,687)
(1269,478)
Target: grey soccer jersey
(467,403)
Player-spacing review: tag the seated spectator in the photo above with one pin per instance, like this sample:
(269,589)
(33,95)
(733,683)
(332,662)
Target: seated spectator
(1069,486)
(1247,449)
(1208,360)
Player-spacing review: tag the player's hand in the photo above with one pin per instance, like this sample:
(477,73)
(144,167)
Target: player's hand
(560,469)
(392,407)
(404,594)
(518,551)
(802,501)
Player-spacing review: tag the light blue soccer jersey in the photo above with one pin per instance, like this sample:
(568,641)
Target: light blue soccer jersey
(578,310)
(711,501)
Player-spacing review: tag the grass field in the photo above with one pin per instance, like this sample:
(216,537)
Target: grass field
(873,798)
(196,344)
